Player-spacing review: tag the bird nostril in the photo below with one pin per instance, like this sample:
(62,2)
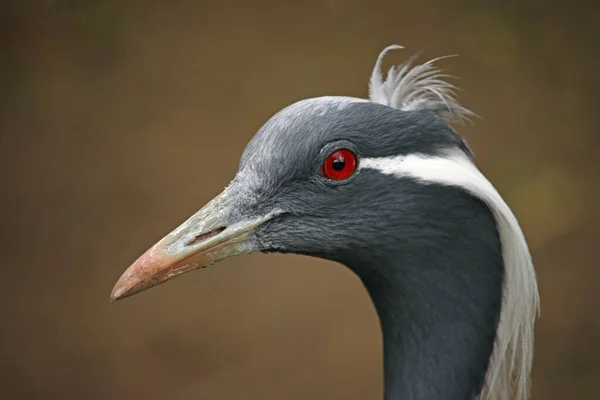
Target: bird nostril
(205,236)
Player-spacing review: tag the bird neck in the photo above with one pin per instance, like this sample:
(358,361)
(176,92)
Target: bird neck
(439,308)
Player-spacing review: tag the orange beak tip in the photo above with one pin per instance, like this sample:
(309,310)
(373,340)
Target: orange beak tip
(175,255)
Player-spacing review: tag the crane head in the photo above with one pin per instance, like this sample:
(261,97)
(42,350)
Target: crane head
(305,179)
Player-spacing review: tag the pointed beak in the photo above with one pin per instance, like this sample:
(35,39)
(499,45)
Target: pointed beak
(205,238)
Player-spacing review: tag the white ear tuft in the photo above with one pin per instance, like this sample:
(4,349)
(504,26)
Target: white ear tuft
(419,87)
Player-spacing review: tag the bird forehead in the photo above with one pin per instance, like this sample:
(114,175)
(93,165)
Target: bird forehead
(297,128)
(286,145)
(306,115)
(311,108)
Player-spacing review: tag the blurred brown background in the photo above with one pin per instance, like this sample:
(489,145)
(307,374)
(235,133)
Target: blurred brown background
(120,119)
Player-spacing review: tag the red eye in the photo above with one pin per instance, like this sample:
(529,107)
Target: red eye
(340,165)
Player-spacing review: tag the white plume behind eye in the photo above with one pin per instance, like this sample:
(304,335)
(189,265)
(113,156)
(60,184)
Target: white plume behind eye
(418,87)
(510,366)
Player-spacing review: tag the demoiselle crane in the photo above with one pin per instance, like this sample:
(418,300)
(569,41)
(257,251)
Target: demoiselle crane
(386,187)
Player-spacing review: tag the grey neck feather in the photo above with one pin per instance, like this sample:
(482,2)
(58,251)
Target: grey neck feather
(438,296)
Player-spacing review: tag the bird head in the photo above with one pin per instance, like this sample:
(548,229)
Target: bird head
(309,181)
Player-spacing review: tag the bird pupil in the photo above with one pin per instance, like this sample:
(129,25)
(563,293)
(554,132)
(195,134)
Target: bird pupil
(339,163)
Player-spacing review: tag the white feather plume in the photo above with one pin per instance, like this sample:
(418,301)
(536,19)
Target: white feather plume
(509,369)
(421,87)
(418,87)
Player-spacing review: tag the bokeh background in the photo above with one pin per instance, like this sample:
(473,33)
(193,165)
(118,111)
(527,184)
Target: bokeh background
(119,119)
